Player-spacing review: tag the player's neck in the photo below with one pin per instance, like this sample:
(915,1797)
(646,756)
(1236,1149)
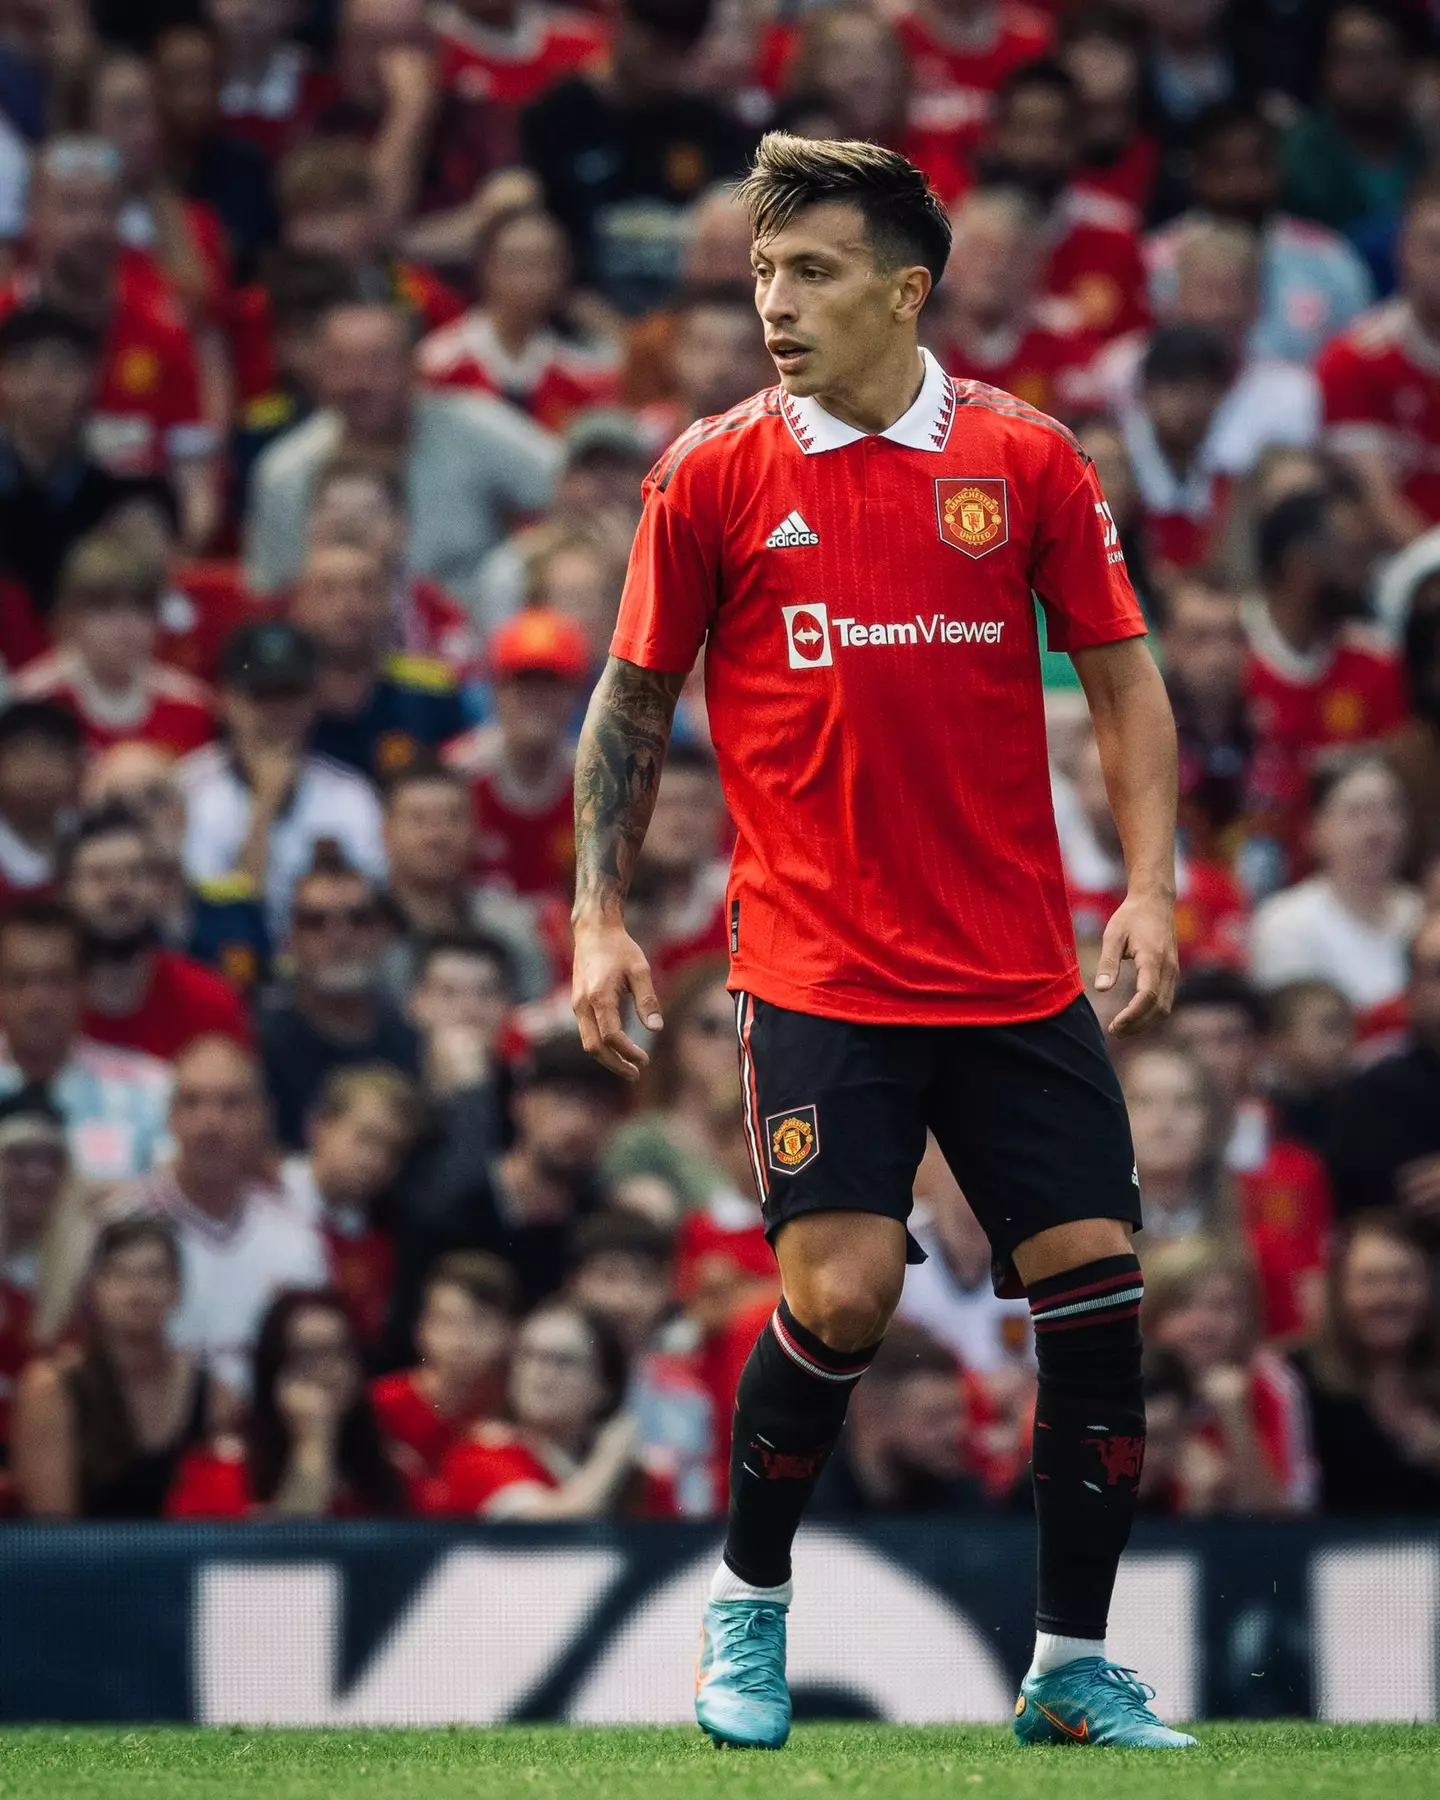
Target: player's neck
(886,392)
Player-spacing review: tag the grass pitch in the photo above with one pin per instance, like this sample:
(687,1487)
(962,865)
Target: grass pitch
(856,1762)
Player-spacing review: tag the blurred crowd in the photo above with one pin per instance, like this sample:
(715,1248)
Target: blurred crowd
(336,338)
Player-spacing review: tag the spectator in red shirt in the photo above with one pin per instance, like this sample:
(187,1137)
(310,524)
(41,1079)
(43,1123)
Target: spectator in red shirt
(141,997)
(1210,908)
(1282,1200)
(1119,159)
(148,416)
(520,768)
(1381,383)
(1184,376)
(1312,1042)
(996,329)
(360,500)
(518,342)
(360,1130)
(1231,784)
(963,51)
(1315,677)
(571,1452)
(41,756)
(270,90)
(468,1309)
(330,206)
(685,870)
(108,613)
(311,1447)
(1034,144)
(1200,1306)
(507,52)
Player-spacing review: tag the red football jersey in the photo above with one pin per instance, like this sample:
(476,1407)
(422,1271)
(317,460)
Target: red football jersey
(1351,691)
(362,1271)
(430,622)
(16,1311)
(168,708)
(524,837)
(873,688)
(955,83)
(277,110)
(476,1473)
(550,380)
(1040,364)
(185,1001)
(1380,382)
(147,402)
(205,602)
(513,67)
(1211,912)
(1286,1213)
(1096,264)
(412,1423)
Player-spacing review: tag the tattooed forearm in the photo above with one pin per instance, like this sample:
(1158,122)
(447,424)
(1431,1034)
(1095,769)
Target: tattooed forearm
(617,772)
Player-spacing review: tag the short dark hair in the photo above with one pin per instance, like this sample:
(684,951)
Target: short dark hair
(1218,121)
(1043,72)
(144,1228)
(1297,520)
(1286,1003)
(1187,353)
(477,944)
(682,22)
(112,820)
(1334,767)
(904,220)
(560,1060)
(488,1280)
(301,289)
(30,326)
(1222,987)
(425,771)
(34,912)
(909,1350)
(24,720)
(620,1234)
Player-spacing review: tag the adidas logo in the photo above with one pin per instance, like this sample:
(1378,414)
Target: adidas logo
(791,533)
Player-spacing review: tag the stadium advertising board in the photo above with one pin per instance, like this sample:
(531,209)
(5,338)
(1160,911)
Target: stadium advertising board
(360,1624)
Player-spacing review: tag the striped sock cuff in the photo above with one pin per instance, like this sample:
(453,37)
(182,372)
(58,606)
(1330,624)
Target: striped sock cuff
(807,1351)
(1094,1294)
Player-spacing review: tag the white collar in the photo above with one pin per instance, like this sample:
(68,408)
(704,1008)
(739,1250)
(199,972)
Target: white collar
(1301,667)
(21,865)
(925,427)
(273,95)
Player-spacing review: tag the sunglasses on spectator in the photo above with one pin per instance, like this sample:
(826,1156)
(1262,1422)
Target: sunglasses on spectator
(317,918)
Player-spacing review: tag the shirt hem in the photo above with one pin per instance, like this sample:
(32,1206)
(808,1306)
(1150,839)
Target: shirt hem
(883,1009)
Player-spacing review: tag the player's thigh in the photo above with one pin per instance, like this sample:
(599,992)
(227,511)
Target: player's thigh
(1032,1122)
(834,1114)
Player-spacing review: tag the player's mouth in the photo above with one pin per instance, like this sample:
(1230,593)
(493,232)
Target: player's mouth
(787,356)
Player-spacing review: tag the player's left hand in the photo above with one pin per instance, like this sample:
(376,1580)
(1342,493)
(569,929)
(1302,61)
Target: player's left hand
(1142,931)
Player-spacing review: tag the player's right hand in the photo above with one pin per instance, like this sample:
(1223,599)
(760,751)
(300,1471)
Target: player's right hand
(609,964)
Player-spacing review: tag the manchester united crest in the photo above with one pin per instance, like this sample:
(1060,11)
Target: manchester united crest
(793,1139)
(973,513)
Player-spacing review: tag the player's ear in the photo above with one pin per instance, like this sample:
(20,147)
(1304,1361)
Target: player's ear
(912,290)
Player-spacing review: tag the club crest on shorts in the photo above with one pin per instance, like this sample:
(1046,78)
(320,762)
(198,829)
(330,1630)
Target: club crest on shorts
(792,1139)
(973,513)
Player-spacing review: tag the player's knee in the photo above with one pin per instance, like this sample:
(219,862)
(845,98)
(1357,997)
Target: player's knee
(847,1305)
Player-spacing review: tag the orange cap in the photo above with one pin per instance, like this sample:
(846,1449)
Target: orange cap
(540,641)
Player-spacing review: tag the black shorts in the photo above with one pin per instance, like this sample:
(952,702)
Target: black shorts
(1029,1117)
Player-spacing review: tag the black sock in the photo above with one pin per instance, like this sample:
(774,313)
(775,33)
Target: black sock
(788,1413)
(1089,1437)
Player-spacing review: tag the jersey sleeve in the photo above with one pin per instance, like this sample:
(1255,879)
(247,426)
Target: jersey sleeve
(1354,418)
(1078,568)
(672,586)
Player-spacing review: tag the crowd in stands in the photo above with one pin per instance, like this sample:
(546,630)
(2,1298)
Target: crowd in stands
(336,339)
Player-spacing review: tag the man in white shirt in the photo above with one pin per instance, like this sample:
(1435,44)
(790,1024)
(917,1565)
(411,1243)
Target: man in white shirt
(241,1241)
(258,803)
(113,1101)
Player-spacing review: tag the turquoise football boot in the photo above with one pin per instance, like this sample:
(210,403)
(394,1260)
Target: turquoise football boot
(741,1697)
(1092,1701)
